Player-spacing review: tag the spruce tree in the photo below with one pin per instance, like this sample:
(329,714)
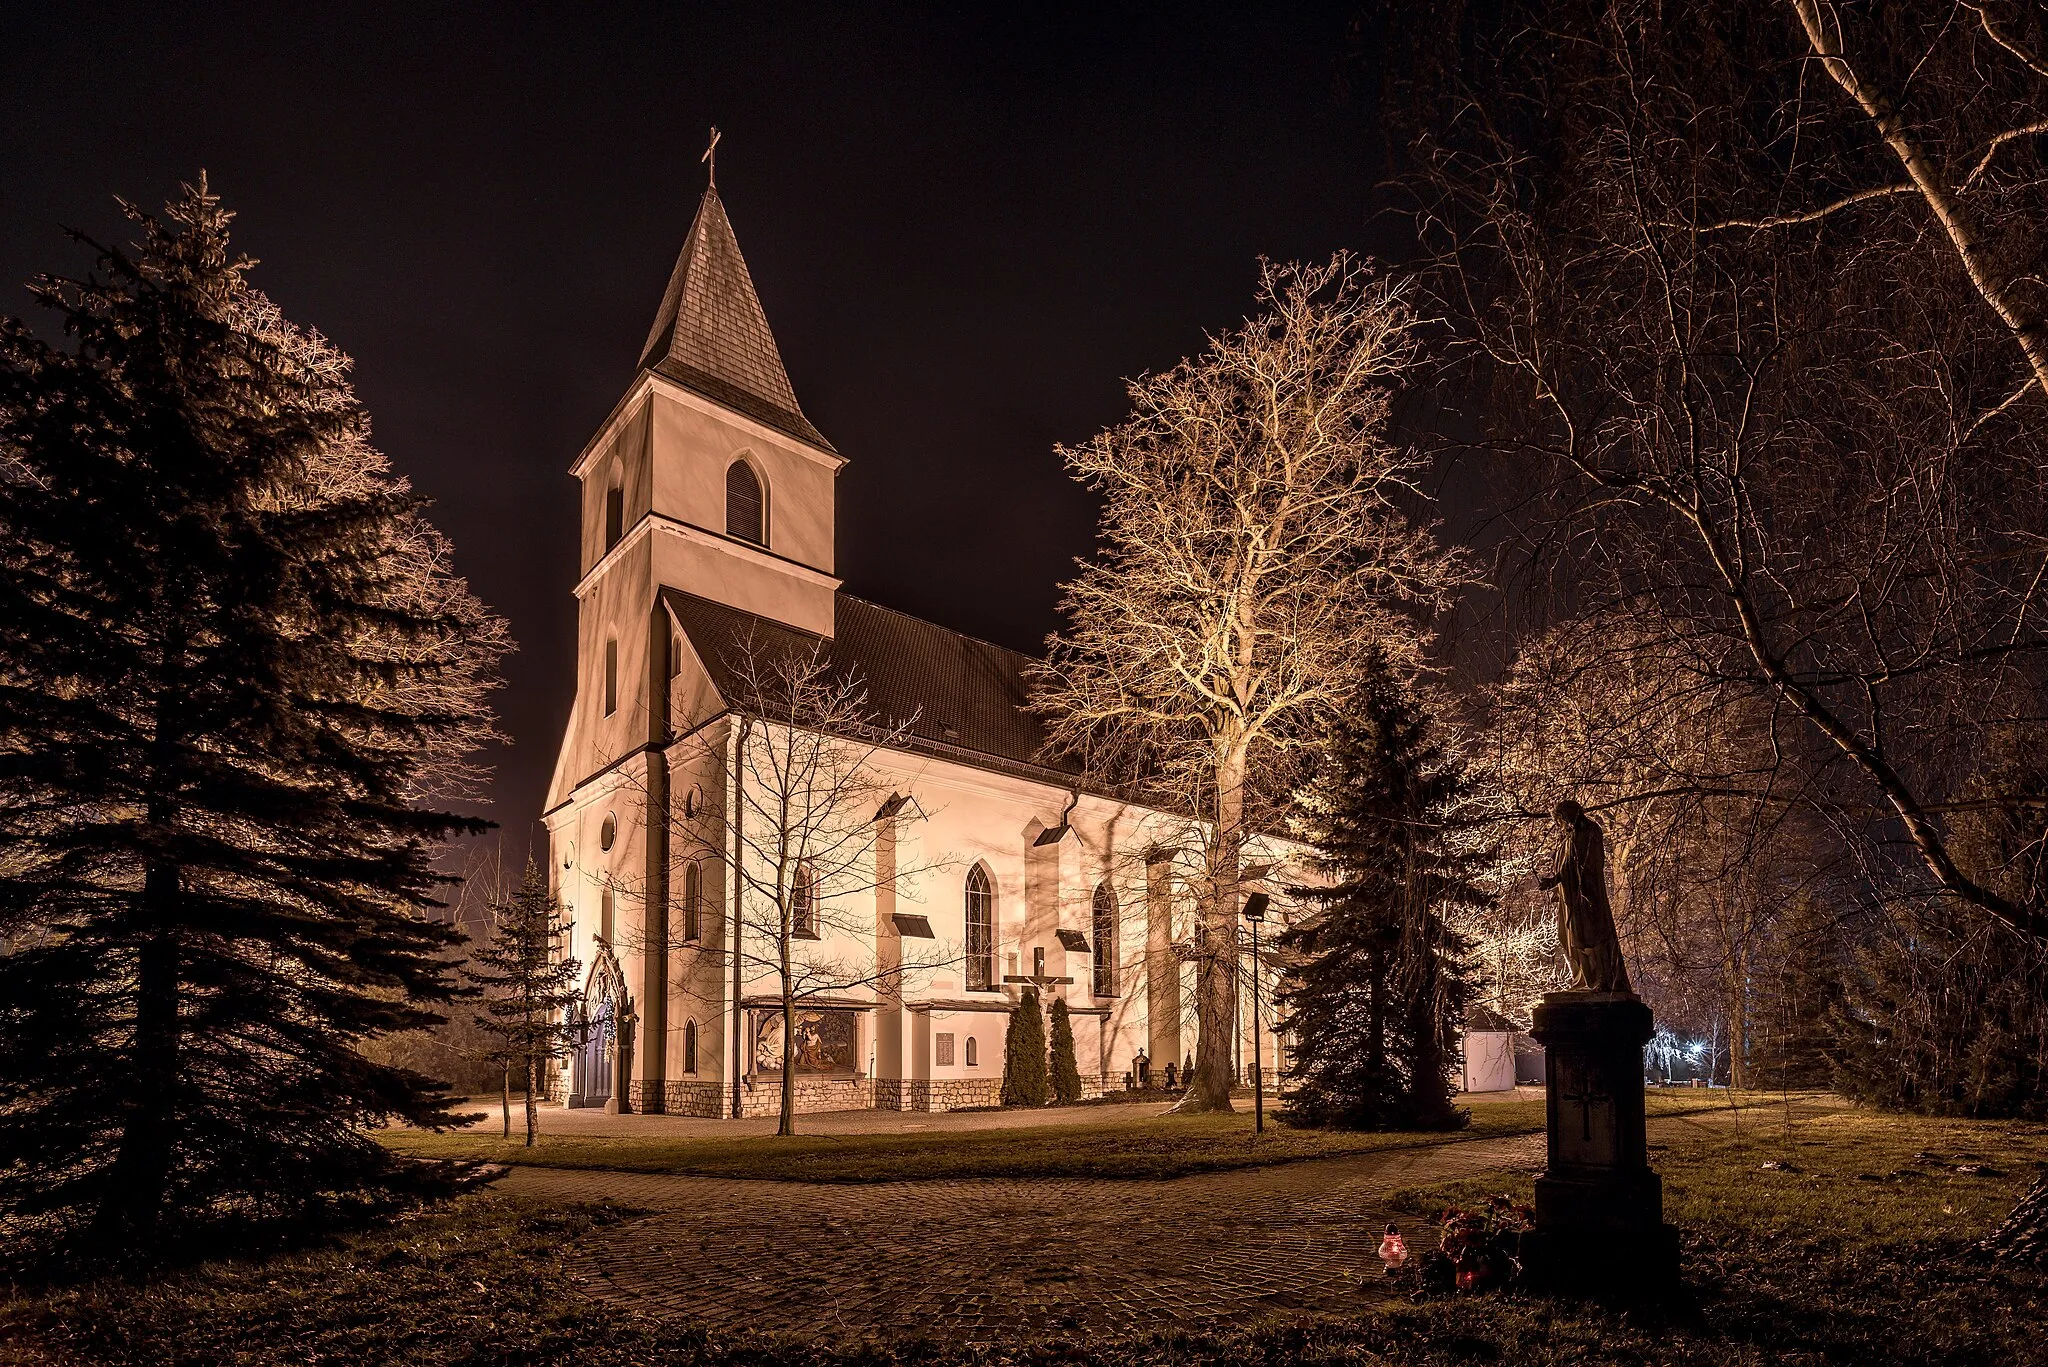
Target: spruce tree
(1377,979)
(528,989)
(1024,1053)
(1066,1073)
(233,661)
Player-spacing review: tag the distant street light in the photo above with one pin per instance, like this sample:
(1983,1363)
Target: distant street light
(1255,912)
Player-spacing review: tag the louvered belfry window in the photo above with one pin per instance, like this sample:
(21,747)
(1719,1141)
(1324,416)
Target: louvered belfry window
(745,509)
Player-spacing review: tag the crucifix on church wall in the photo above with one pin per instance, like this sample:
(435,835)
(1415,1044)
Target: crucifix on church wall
(1037,977)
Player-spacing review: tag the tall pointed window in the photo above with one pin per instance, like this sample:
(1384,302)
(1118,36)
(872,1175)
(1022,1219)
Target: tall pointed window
(690,1046)
(614,513)
(803,903)
(1105,941)
(981,931)
(746,507)
(693,892)
(611,675)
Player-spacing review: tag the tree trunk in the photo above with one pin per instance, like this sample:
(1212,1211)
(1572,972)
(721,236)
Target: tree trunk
(142,1167)
(787,1123)
(1738,1034)
(505,1097)
(1216,949)
(533,1072)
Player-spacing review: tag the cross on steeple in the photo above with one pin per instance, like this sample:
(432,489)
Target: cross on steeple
(710,159)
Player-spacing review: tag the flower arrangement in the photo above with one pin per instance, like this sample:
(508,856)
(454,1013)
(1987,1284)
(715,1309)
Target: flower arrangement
(1480,1250)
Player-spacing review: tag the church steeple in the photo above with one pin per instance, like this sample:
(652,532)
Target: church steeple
(711,336)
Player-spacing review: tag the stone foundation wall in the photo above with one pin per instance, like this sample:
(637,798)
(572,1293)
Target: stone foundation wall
(704,1100)
(812,1094)
(944,1094)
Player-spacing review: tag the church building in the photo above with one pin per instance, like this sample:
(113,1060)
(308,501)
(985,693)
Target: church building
(708,521)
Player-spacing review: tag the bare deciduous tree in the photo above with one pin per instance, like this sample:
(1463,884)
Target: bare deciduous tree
(1259,535)
(1788,401)
(808,811)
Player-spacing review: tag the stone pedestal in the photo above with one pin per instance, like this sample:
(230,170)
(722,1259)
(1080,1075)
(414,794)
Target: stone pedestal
(1599,1209)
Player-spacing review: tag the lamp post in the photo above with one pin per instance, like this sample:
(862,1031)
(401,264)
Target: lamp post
(1255,912)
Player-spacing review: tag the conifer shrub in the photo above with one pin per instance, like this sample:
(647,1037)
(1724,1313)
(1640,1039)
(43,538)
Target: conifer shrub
(1066,1073)
(1024,1082)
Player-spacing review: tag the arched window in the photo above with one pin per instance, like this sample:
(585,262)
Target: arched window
(803,903)
(1105,941)
(690,1047)
(611,675)
(614,513)
(981,931)
(693,889)
(604,916)
(973,1054)
(746,505)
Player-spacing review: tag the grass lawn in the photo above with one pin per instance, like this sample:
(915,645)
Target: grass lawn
(1853,1251)
(1157,1147)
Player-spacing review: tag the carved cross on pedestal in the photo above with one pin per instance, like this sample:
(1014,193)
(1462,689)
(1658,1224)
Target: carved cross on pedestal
(1585,1096)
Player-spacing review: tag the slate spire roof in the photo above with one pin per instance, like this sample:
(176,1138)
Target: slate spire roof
(711,336)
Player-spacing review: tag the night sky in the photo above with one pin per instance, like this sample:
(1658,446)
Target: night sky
(965,227)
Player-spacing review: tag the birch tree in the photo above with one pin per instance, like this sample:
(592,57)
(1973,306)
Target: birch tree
(1259,534)
(1753,292)
(814,802)
(1748,288)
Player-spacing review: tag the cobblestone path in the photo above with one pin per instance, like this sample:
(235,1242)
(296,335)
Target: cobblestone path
(986,1259)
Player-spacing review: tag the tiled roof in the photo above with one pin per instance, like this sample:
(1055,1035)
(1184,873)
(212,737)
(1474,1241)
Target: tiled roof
(711,336)
(959,698)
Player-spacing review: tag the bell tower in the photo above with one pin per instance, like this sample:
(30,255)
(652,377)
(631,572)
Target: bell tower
(708,479)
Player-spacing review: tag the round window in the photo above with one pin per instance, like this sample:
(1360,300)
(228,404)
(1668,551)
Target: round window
(608,832)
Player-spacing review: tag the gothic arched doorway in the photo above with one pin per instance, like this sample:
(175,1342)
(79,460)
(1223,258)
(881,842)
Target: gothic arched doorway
(602,1049)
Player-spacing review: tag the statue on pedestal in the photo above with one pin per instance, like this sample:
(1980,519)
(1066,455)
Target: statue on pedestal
(1585,922)
(1599,1207)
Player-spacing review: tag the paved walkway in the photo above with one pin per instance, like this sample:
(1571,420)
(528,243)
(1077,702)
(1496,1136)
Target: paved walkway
(988,1259)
